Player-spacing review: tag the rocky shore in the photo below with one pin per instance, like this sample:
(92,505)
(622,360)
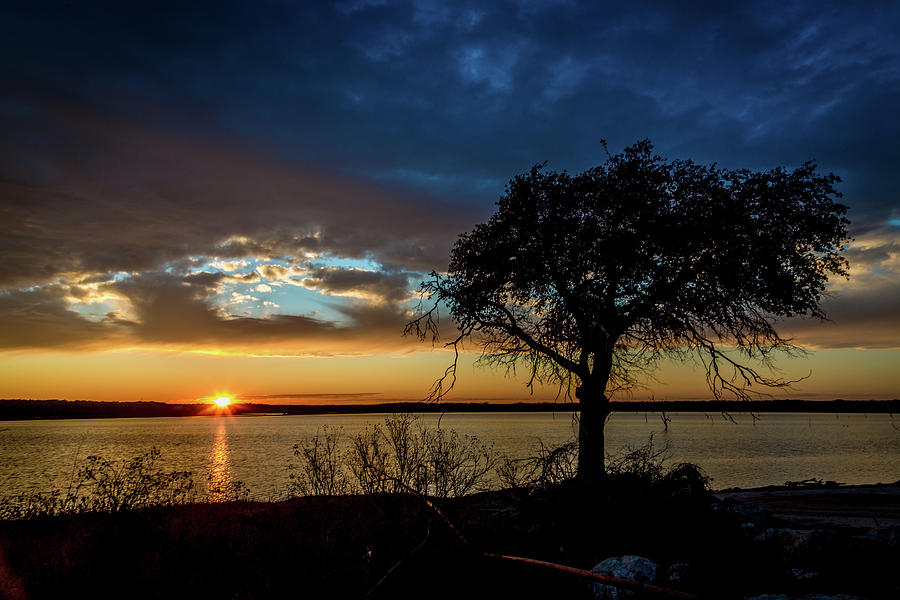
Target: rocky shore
(827,505)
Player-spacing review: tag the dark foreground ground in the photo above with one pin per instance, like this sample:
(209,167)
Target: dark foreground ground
(390,546)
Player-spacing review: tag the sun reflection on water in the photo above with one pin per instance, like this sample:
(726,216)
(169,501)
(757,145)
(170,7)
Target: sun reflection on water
(219,466)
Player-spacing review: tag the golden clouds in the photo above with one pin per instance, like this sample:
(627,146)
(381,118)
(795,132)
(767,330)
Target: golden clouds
(370,285)
(864,310)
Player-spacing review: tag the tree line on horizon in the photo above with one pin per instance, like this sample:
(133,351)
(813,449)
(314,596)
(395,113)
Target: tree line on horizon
(14,409)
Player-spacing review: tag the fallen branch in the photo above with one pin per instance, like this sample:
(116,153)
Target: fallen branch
(628,584)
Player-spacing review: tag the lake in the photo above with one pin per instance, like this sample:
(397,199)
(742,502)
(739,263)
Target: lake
(256,450)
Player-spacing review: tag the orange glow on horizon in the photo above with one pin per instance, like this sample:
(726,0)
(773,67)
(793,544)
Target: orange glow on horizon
(194,378)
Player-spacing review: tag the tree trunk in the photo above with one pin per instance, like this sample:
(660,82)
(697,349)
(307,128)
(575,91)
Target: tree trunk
(594,407)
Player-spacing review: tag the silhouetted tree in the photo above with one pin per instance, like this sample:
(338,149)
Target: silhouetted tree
(589,280)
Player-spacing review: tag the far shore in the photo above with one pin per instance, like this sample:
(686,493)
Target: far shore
(19,409)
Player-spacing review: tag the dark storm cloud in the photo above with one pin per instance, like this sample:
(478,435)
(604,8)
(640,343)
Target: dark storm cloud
(456,98)
(137,139)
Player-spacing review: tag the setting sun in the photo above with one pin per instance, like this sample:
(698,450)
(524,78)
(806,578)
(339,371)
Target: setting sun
(223,401)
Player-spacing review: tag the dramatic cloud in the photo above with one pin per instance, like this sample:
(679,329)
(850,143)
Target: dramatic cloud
(279,176)
(146,200)
(132,225)
(359,283)
(864,311)
(41,319)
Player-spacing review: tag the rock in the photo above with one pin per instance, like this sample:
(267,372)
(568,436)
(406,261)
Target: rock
(748,511)
(795,544)
(766,536)
(803,575)
(867,544)
(750,529)
(678,573)
(635,568)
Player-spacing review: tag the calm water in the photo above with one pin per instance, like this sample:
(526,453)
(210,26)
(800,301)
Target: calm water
(850,448)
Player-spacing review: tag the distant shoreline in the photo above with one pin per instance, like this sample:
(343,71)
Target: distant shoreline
(20,409)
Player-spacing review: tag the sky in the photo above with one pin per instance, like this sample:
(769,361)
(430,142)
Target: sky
(200,199)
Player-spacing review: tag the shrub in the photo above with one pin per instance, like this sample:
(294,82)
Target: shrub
(514,472)
(100,485)
(368,459)
(321,469)
(232,491)
(556,465)
(455,465)
(400,456)
(135,483)
(405,438)
(642,467)
(644,463)
(686,479)
(546,467)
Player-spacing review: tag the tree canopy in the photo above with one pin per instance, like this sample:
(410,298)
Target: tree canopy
(589,279)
